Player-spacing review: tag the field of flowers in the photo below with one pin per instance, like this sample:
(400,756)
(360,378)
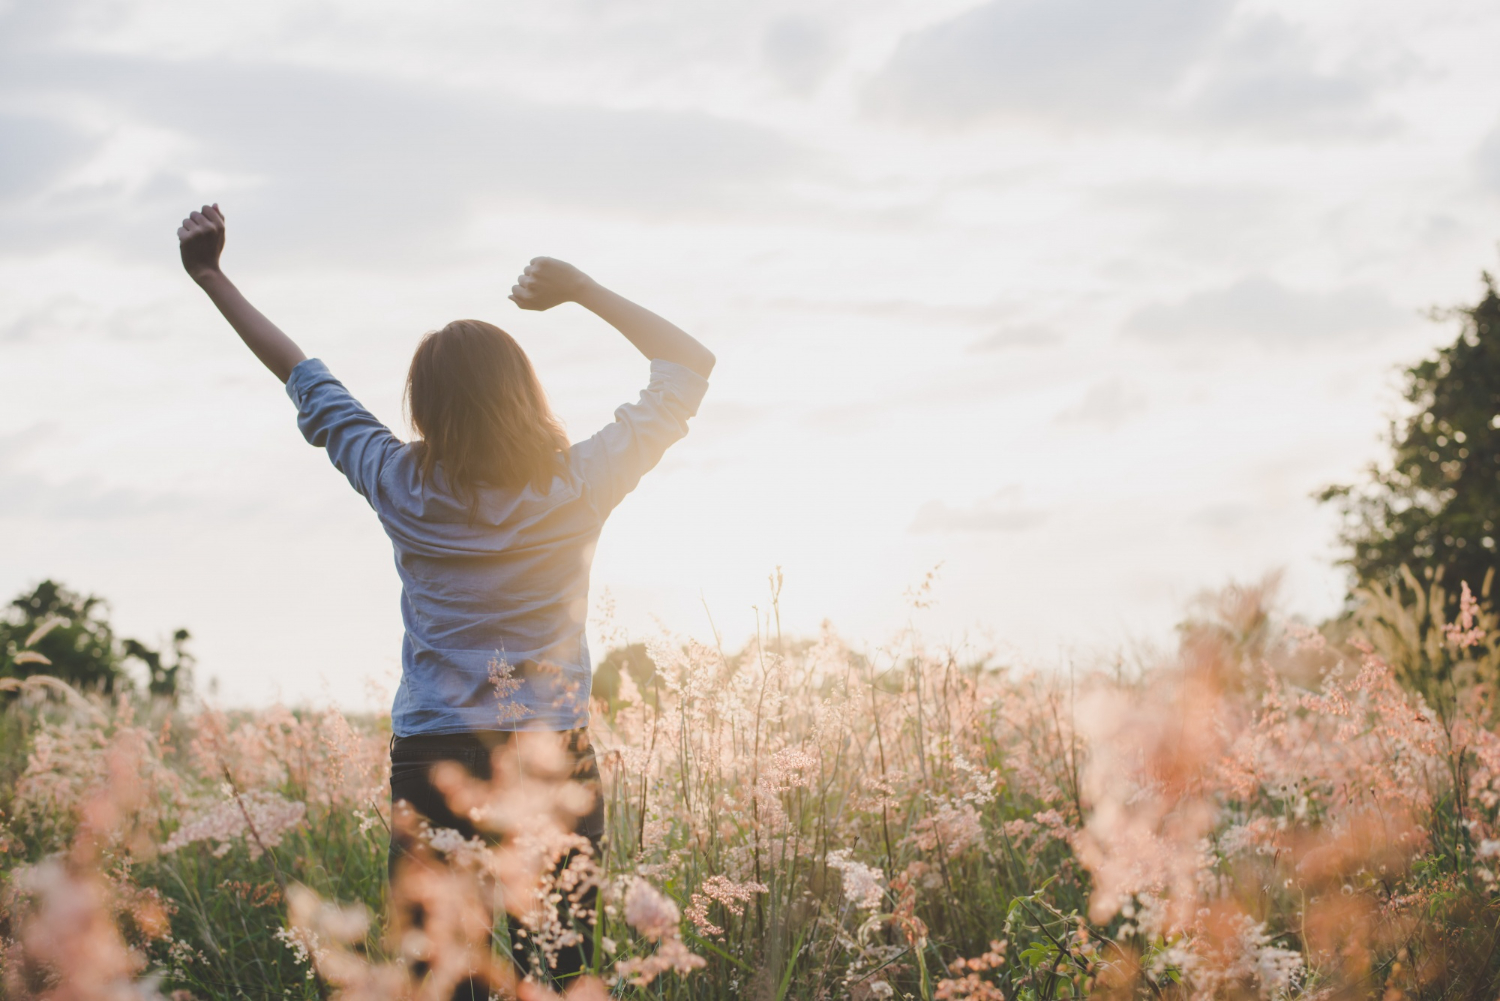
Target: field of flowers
(1271,810)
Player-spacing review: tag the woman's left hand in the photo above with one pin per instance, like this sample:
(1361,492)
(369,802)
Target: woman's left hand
(547,282)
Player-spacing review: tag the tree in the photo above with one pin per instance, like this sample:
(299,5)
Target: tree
(618,662)
(164,679)
(77,644)
(1435,504)
(80,649)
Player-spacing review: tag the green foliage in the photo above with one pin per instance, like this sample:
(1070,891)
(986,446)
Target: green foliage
(629,660)
(163,678)
(55,631)
(1435,504)
(1405,621)
(80,649)
(226,910)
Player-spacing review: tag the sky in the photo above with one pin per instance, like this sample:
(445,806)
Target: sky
(1077,301)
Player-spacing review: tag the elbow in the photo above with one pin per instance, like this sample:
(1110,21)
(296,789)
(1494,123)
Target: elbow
(694,357)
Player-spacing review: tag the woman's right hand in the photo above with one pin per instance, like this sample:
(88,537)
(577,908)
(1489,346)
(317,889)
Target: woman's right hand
(547,282)
(201,241)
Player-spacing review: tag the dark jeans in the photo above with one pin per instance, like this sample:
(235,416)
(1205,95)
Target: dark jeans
(412,761)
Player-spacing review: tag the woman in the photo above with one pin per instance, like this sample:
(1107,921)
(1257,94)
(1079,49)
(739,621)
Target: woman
(492,514)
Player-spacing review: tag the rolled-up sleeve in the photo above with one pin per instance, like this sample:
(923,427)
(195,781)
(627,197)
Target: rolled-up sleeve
(612,462)
(329,418)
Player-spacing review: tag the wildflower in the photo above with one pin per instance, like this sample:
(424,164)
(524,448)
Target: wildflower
(861,882)
(650,912)
(1464,633)
(506,684)
(672,955)
(1149,781)
(318,756)
(1308,638)
(261,819)
(1018,829)
(657,919)
(1234,952)
(731,895)
(68,934)
(981,782)
(904,885)
(303,945)
(952,828)
(968,986)
(789,768)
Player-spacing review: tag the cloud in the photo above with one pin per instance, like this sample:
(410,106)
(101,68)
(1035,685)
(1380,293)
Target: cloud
(1265,78)
(1487,160)
(1000,512)
(1175,63)
(1107,404)
(1262,310)
(348,166)
(66,313)
(34,150)
(24,494)
(921,397)
(73,315)
(1072,58)
(912,310)
(1226,517)
(1230,223)
(798,52)
(1026,335)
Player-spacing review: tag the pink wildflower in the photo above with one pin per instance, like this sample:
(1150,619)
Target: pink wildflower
(649,911)
(952,828)
(69,934)
(656,918)
(672,955)
(730,895)
(1464,633)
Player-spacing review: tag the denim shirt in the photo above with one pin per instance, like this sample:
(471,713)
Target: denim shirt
(494,608)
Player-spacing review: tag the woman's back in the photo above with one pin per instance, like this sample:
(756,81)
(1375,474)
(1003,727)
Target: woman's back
(495,583)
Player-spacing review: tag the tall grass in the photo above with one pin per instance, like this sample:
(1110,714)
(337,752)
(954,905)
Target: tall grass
(1272,811)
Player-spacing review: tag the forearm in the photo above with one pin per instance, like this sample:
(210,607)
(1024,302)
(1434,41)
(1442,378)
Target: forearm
(653,336)
(276,350)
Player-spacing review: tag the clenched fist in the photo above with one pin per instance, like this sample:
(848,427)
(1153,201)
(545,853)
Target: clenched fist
(547,282)
(201,241)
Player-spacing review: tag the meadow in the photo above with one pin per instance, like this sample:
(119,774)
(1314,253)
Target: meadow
(1271,810)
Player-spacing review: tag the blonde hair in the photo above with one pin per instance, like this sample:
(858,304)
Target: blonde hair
(482,415)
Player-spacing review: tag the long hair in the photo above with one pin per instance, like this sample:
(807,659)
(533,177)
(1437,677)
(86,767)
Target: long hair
(481,413)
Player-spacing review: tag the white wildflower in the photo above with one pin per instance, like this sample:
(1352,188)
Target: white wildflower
(861,882)
(261,819)
(303,945)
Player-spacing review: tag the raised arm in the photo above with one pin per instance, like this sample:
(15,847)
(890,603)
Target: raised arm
(201,241)
(548,281)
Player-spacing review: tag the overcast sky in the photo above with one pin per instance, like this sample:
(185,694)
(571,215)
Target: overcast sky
(1082,299)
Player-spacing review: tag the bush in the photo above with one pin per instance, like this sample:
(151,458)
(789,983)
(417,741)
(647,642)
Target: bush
(57,632)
